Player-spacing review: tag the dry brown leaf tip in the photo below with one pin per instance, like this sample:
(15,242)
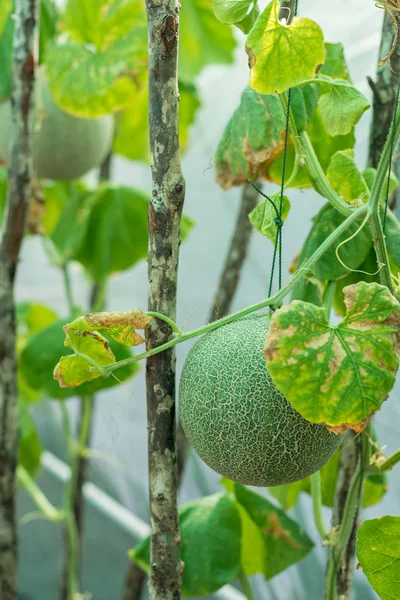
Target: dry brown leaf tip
(137,319)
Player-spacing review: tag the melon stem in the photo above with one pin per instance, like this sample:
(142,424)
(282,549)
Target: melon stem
(274,300)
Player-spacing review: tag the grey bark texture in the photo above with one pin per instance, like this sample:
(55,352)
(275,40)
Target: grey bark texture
(384,100)
(18,197)
(164,218)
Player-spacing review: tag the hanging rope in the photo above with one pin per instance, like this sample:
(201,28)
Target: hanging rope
(278,210)
(391,155)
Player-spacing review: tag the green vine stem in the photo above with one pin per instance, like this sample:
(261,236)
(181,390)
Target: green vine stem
(68,289)
(341,536)
(304,150)
(50,512)
(167,320)
(319,178)
(274,300)
(246,587)
(317,504)
(76,450)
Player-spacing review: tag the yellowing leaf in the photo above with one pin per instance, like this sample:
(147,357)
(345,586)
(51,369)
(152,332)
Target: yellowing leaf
(42,351)
(91,349)
(336,375)
(101,22)
(274,48)
(346,179)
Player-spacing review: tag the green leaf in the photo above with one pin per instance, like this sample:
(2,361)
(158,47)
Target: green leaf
(274,47)
(231,11)
(210,544)
(369,176)
(6,40)
(31,318)
(346,179)
(254,134)
(324,146)
(378,551)
(115,234)
(44,350)
(102,22)
(351,254)
(287,495)
(132,134)
(68,206)
(3,191)
(30,447)
(48,25)
(203,40)
(271,541)
(6,7)
(336,375)
(392,233)
(187,224)
(248,22)
(335,63)
(342,106)
(264,216)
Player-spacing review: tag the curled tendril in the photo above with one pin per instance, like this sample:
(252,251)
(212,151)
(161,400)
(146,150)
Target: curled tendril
(392,9)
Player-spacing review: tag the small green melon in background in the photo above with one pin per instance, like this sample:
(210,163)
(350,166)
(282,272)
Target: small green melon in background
(237,420)
(65,147)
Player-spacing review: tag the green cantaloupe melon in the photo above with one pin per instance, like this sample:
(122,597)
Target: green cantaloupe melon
(237,420)
(65,147)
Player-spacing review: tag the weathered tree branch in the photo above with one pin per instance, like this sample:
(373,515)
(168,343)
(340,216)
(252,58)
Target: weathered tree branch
(164,217)
(18,197)
(384,99)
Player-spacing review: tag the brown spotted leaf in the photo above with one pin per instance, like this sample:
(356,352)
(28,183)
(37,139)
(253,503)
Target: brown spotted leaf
(337,375)
(92,350)
(119,326)
(254,135)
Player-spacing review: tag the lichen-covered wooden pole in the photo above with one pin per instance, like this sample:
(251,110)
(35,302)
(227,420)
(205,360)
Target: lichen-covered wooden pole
(164,217)
(18,196)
